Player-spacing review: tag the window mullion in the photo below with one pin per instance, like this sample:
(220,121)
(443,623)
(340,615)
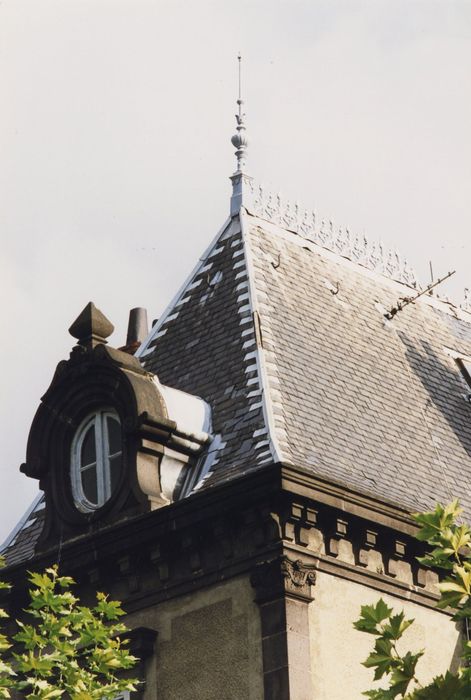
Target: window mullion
(77,475)
(100,443)
(106,458)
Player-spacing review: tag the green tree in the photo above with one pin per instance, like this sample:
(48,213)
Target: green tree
(62,649)
(450,543)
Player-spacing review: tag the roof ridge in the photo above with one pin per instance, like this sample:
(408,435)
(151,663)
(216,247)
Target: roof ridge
(305,223)
(261,353)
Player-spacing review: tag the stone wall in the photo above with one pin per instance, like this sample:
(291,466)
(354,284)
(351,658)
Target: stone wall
(208,645)
(337,649)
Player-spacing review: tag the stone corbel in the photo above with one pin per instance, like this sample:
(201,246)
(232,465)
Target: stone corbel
(340,533)
(297,523)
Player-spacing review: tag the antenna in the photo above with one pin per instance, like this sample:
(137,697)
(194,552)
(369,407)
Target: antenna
(405,301)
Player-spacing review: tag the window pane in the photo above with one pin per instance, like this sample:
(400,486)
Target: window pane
(96,465)
(89,484)
(115,471)
(88,455)
(114,435)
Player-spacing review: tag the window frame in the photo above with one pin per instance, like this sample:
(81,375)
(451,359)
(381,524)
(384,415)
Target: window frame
(99,420)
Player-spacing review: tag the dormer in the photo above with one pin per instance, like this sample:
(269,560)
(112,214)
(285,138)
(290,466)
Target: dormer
(109,440)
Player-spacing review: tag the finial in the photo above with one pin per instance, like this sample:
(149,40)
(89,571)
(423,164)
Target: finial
(242,185)
(239,140)
(91,327)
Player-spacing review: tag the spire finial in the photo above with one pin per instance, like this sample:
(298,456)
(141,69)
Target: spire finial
(242,186)
(239,140)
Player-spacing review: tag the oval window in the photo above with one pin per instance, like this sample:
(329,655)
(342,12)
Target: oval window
(96,459)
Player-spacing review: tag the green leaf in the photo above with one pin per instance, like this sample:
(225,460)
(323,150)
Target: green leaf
(433,523)
(371,616)
(448,687)
(380,694)
(451,551)
(66,649)
(397,625)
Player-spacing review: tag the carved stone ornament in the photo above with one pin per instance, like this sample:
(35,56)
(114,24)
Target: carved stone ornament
(283,577)
(298,576)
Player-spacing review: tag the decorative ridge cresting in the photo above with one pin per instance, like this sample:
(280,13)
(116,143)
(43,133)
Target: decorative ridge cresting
(466,303)
(305,223)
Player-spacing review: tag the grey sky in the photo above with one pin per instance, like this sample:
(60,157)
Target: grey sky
(115,153)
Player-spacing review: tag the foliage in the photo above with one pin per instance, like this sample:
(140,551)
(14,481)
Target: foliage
(451,552)
(64,649)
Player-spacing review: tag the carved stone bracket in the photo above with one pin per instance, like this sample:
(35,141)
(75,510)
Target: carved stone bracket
(297,522)
(298,578)
(283,577)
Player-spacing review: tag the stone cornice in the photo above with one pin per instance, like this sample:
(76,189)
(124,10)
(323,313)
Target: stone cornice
(230,530)
(304,483)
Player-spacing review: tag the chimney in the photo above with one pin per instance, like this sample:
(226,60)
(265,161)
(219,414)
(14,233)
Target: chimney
(137,330)
(137,326)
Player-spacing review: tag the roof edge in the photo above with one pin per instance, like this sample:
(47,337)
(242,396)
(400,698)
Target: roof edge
(21,522)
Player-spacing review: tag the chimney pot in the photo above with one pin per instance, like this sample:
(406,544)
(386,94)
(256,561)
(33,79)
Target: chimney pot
(137,326)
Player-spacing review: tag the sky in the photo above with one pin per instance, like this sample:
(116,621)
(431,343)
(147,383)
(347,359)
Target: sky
(115,154)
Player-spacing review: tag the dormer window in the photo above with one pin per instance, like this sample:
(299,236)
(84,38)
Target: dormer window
(109,440)
(96,459)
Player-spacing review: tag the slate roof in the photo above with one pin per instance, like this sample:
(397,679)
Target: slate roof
(374,404)
(288,343)
(205,345)
(301,373)
(19,545)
